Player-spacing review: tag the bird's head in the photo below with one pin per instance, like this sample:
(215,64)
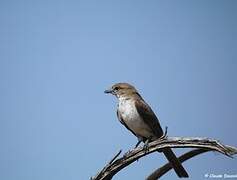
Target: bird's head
(122,90)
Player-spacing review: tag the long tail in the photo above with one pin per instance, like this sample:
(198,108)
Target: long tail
(177,166)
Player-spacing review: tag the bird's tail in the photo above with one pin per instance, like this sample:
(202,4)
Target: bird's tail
(177,166)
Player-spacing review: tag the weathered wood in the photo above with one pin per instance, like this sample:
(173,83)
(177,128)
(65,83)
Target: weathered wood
(165,168)
(203,145)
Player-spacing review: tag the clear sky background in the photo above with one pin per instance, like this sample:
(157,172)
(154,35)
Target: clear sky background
(57,58)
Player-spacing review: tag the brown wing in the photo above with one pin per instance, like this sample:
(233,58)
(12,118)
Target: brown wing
(149,117)
(123,123)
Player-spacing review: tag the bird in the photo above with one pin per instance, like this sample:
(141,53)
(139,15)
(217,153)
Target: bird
(138,117)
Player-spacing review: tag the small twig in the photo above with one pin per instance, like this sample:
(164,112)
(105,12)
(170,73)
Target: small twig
(112,160)
(165,134)
(107,166)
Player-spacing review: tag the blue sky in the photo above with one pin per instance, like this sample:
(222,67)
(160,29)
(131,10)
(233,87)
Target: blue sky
(57,58)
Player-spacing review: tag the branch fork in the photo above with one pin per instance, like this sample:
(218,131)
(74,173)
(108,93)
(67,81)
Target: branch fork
(201,145)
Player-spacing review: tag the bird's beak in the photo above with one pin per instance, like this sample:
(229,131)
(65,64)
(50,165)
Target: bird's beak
(108,91)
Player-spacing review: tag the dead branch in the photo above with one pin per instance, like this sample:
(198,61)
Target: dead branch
(165,168)
(203,145)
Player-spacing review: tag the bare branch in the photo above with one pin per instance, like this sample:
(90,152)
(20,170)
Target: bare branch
(164,169)
(203,145)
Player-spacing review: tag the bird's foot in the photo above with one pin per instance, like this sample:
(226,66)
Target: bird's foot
(145,146)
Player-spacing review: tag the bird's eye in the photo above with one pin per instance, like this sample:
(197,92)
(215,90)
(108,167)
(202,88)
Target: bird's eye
(116,88)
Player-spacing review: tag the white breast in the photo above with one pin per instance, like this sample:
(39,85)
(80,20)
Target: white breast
(132,119)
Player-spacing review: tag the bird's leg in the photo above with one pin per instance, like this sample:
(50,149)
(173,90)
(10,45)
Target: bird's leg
(145,147)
